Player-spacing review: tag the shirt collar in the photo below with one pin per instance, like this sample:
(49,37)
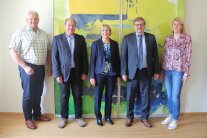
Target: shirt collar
(71,36)
(181,36)
(139,34)
(29,28)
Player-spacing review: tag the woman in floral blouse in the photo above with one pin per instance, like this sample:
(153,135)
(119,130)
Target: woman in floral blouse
(176,62)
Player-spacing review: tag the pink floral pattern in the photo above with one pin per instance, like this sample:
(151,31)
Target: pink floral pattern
(177,55)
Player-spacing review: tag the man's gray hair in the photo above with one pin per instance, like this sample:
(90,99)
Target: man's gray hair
(32,12)
(70,19)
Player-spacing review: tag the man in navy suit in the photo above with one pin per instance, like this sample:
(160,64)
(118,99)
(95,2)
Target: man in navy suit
(139,62)
(70,67)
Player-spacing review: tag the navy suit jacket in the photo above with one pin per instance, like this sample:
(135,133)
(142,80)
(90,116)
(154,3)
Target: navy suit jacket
(129,55)
(97,58)
(61,57)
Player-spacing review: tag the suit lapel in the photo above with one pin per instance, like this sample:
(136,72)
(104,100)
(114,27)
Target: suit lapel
(111,47)
(100,45)
(76,43)
(147,42)
(65,43)
(134,42)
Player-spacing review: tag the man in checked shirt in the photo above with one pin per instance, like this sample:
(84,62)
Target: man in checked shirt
(30,49)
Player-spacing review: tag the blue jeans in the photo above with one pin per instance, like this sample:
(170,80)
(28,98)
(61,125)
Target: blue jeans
(32,91)
(173,82)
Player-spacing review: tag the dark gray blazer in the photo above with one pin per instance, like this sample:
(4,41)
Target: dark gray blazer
(97,58)
(61,57)
(129,55)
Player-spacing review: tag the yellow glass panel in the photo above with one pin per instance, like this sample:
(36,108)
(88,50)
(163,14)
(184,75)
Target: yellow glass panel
(94,6)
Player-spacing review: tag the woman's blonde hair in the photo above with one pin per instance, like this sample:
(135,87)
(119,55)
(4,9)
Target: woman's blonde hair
(178,19)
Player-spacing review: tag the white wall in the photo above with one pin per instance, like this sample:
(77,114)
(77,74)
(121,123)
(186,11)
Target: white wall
(1,42)
(13,13)
(1,45)
(194,94)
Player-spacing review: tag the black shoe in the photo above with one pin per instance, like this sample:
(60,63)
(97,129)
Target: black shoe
(108,120)
(99,122)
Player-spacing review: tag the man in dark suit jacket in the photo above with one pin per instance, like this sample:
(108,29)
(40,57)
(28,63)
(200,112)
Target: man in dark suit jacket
(139,62)
(70,67)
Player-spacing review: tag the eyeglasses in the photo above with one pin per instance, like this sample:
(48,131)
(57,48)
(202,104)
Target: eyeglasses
(139,25)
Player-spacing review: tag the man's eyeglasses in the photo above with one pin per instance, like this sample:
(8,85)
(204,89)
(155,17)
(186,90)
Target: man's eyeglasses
(139,25)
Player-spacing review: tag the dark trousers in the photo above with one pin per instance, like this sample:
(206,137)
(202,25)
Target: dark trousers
(140,84)
(76,92)
(32,90)
(101,81)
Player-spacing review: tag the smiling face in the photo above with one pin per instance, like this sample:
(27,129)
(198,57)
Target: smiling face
(70,27)
(139,26)
(105,31)
(33,20)
(177,27)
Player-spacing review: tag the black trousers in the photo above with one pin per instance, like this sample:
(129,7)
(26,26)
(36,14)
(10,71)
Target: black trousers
(109,83)
(76,87)
(140,84)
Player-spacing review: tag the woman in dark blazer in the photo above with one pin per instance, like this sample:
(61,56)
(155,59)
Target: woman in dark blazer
(104,71)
